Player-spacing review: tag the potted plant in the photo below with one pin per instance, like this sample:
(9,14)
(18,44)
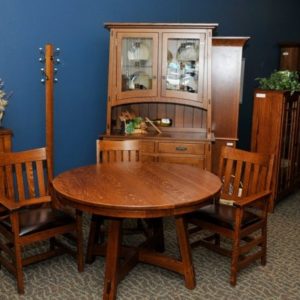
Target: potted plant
(281,81)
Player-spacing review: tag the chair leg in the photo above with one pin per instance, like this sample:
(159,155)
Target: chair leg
(263,259)
(14,218)
(93,237)
(19,269)
(52,243)
(234,262)
(236,247)
(79,235)
(217,240)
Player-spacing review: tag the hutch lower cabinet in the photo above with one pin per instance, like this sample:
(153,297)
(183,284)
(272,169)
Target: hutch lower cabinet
(276,129)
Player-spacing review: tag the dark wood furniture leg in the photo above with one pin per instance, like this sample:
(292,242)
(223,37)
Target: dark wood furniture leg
(185,251)
(79,241)
(112,259)
(156,225)
(94,235)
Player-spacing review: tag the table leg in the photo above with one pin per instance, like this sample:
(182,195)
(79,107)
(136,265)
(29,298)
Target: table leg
(112,259)
(185,251)
(157,227)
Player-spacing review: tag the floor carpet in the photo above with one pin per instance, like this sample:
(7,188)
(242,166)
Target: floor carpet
(279,279)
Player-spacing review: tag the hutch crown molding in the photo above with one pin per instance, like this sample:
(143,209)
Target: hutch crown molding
(164,70)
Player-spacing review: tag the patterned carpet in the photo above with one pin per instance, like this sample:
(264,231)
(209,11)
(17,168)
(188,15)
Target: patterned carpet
(279,279)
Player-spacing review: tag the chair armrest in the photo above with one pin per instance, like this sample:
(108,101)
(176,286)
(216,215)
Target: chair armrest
(251,199)
(10,205)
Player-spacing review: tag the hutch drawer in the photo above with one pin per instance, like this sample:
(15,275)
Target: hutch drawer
(184,148)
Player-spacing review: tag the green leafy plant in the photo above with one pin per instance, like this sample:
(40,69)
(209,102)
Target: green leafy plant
(281,80)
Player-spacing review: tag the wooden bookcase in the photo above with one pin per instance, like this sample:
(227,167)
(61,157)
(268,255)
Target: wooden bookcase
(276,129)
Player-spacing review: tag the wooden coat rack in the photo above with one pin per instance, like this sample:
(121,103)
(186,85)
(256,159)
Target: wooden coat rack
(48,79)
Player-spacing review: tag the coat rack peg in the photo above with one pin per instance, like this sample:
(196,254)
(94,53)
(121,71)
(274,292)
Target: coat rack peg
(43,70)
(57,51)
(42,59)
(57,61)
(55,80)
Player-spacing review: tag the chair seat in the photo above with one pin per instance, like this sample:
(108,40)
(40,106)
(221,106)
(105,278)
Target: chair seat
(39,219)
(224,215)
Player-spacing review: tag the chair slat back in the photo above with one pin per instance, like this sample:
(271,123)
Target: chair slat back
(25,176)
(109,151)
(244,173)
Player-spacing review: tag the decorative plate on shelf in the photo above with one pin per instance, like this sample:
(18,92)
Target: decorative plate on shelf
(187,52)
(138,51)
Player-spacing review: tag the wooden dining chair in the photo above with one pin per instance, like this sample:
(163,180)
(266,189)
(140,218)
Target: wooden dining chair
(29,216)
(240,214)
(111,151)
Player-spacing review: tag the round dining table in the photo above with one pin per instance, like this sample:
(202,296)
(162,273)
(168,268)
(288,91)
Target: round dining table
(145,190)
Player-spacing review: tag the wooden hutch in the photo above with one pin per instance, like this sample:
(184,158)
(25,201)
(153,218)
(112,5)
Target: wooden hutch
(164,70)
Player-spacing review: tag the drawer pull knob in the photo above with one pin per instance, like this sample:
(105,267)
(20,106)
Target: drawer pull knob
(181,148)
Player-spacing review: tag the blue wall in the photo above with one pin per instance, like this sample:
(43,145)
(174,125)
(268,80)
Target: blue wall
(77,28)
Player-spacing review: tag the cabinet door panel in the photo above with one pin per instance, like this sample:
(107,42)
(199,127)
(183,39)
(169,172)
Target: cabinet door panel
(184,61)
(137,55)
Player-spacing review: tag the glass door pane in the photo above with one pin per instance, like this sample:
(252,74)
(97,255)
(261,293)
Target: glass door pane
(185,67)
(137,64)
(182,65)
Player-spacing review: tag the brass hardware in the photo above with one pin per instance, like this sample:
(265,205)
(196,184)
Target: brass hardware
(181,148)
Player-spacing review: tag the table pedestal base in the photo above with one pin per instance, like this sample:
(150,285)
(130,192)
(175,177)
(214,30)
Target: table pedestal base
(147,253)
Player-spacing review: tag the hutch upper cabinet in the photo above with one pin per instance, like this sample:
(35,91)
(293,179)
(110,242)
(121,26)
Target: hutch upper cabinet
(163,71)
(160,62)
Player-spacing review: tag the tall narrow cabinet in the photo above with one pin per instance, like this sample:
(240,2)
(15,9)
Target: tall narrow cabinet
(163,70)
(227,89)
(276,129)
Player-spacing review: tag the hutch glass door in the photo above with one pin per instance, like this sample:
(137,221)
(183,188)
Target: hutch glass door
(184,63)
(137,65)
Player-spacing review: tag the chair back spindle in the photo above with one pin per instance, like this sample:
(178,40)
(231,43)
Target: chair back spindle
(117,151)
(243,173)
(25,176)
